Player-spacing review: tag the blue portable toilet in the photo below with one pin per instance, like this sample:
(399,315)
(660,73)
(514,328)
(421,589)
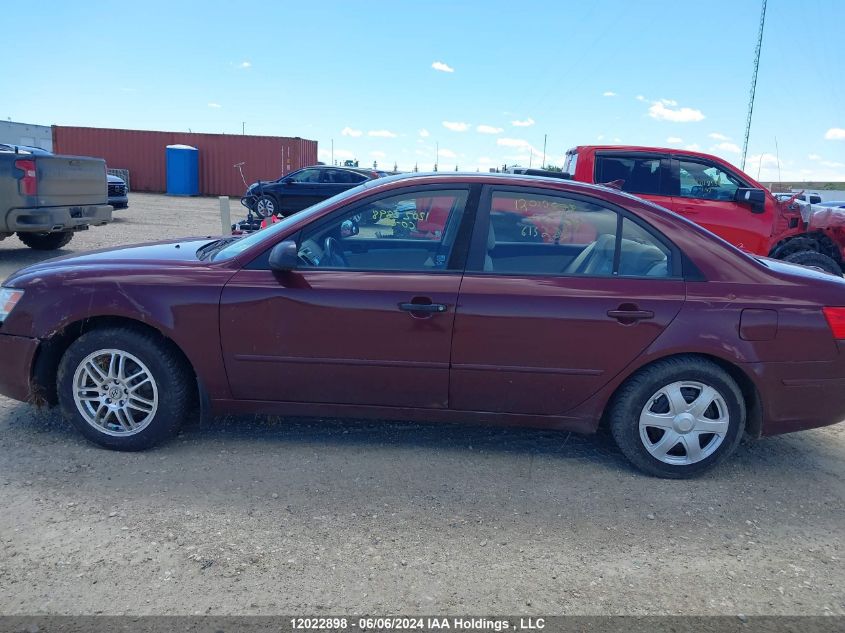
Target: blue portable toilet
(183,172)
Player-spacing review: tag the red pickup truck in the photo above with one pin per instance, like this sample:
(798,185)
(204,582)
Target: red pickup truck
(713,193)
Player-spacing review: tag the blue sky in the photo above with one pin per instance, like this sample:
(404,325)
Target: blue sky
(484,80)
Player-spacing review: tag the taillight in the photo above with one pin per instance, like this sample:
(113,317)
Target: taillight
(836,320)
(28,184)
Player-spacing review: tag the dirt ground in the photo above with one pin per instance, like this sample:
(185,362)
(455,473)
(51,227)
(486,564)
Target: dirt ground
(287,516)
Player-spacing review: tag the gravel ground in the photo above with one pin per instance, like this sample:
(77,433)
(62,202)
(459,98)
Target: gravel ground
(271,515)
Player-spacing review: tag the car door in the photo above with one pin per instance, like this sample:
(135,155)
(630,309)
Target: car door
(644,174)
(301,189)
(337,181)
(547,316)
(704,193)
(365,319)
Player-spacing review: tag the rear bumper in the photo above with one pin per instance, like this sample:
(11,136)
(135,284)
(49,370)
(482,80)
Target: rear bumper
(49,219)
(18,354)
(800,395)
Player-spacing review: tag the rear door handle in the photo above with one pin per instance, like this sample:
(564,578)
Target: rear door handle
(630,316)
(423,307)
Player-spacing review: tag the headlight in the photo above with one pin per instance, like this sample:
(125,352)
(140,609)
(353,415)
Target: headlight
(9,298)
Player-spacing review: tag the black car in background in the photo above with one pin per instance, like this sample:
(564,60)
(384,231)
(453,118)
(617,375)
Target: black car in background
(118,192)
(300,189)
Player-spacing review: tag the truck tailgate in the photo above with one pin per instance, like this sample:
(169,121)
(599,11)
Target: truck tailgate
(70,181)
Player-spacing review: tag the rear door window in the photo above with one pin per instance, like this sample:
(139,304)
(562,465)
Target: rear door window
(638,174)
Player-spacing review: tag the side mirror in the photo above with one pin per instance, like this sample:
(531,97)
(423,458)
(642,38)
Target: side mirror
(755,198)
(288,181)
(284,256)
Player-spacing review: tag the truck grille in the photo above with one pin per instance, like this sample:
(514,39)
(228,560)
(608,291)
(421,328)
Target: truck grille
(117,190)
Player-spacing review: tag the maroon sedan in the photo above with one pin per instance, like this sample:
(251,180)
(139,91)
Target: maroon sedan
(497,299)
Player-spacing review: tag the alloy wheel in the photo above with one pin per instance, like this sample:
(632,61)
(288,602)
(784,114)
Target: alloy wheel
(115,392)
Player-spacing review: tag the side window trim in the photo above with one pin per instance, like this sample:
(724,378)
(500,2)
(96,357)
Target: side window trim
(478,242)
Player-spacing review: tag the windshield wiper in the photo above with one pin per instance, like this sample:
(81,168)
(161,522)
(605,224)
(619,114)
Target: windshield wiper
(209,250)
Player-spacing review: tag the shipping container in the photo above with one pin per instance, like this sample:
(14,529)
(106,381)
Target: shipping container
(143,154)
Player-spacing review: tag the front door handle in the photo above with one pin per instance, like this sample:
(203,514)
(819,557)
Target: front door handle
(423,307)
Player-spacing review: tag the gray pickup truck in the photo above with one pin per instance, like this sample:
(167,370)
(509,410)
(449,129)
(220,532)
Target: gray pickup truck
(45,198)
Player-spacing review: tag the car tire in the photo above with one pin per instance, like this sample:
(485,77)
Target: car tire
(678,417)
(46,241)
(266,205)
(127,405)
(814,259)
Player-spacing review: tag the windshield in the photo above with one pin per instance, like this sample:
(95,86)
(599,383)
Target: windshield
(248,241)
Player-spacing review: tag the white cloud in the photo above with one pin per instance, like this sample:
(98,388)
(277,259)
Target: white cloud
(832,164)
(761,161)
(814,157)
(639,98)
(444,68)
(447,153)
(728,147)
(488,129)
(245,64)
(456,126)
(669,102)
(424,133)
(513,142)
(348,131)
(600,137)
(835,134)
(718,136)
(608,93)
(659,111)
(694,147)
(214,105)
(377,154)
(674,140)
(381,133)
(526,123)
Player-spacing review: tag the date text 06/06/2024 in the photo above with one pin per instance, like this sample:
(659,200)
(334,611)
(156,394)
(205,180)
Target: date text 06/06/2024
(393,623)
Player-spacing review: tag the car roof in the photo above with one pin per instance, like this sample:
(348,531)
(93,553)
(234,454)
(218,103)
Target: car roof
(23,149)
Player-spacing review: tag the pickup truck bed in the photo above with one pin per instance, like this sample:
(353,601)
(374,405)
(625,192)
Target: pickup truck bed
(44,198)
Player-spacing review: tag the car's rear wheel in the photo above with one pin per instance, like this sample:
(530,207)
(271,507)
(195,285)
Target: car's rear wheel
(123,389)
(46,241)
(678,417)
(815,259)
(266,206)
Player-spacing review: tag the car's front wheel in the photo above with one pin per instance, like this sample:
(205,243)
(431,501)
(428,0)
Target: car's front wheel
(678,417)
(266,206)
(815,260)
(123,389)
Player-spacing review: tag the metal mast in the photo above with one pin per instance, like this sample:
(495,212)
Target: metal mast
(753,83)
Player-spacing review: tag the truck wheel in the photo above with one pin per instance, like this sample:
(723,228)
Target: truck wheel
(677,417)
(46,241)
(814,259)
(123,389)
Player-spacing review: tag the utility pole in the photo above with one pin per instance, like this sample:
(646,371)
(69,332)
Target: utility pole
(545,138)
(436,155)
(332,151)
(753,83)
(243,128)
